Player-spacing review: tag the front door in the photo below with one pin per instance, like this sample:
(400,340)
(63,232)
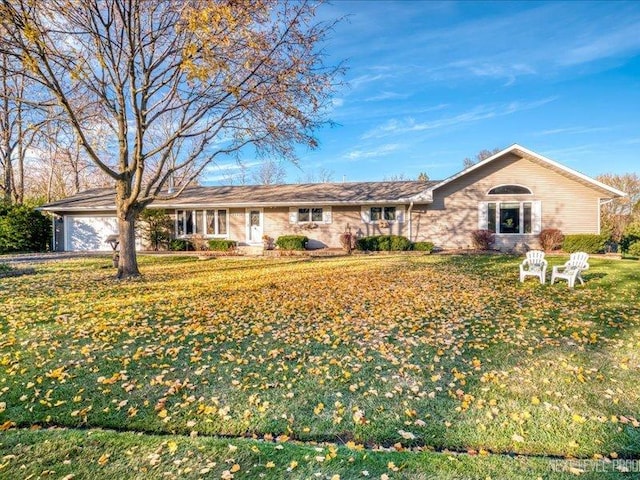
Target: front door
(254,224)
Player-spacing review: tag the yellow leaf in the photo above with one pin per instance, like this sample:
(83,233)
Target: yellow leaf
(235,468)
(104,459)
(517,438)
(578,418)
(172,446)
(7,425)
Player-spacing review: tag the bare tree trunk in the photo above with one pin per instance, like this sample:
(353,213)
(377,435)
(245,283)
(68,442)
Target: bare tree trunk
(128,263)
(127,214)
(18,186)
(5,124)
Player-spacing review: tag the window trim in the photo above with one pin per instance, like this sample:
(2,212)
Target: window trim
(530,192)
(326,216)
(383,211)
(521,215)
(311,220)
(205,221)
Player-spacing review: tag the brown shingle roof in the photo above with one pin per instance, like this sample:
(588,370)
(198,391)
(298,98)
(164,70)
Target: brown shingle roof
(259,195)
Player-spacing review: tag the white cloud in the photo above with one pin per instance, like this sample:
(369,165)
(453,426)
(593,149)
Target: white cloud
(367,78)
(481,112)
(387,96)
(622,40)
(573,130)
(229,166)
(380,151)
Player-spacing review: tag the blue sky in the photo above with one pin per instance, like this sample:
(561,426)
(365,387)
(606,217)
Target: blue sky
(430,83)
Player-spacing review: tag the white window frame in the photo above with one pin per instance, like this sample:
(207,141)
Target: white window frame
(530,192)
(325,215)
(483,218)
(205,220)
(367,218)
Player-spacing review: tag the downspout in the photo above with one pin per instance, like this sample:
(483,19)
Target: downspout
(409,217)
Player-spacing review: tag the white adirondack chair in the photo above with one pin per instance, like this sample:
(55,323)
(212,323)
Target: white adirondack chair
(534,265)
(572,269)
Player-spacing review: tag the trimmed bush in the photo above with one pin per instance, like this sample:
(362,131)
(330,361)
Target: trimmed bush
(382,243)
(292,242)
(423,246)
(482,239)
(634,249)
(23,229)
(588,243)
(551,239)
(221,245)
(180,245)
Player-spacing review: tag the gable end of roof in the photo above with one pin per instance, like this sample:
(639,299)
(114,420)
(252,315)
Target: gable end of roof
(524,153)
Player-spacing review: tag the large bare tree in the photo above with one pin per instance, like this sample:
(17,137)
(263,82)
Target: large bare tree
(479,157)
(269,172)
(618,213)
(157,89)
(20,123)
(58,165)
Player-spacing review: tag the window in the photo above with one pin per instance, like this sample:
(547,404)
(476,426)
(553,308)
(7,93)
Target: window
(510,190)
(309,215)
(303,215)
(201,222)
(382,213)
(389,213)
(221,215)
(511,217)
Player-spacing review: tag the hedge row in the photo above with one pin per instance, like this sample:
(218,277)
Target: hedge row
(23,229)
(588,243)
(393,243)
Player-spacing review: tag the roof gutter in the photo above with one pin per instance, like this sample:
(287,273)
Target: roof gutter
(62,208)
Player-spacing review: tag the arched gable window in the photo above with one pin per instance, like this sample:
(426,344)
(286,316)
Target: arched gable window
(510,190)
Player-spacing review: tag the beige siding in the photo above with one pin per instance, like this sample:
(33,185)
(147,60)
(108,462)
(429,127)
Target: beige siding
(567,204)
(276,223)
(237,225)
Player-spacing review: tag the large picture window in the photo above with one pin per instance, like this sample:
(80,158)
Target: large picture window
(210,223)
(510,217)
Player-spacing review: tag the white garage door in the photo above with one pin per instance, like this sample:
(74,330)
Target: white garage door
(89,232)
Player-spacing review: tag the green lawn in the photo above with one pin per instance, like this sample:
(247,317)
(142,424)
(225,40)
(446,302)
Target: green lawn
(374,352)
